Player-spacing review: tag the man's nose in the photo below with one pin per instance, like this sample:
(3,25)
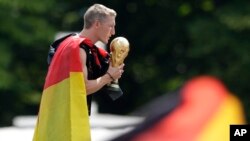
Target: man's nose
(113,31)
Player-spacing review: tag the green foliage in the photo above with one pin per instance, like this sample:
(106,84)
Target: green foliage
(24,38)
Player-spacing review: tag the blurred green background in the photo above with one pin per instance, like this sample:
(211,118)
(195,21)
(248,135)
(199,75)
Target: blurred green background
(171,42)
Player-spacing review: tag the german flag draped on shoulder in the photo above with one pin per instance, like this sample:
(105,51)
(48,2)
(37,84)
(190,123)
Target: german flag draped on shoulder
(63,113)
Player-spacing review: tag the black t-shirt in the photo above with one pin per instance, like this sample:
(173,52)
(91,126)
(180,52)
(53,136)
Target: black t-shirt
(95,70)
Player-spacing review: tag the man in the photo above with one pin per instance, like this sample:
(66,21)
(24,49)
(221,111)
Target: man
(77,70)
(99,25)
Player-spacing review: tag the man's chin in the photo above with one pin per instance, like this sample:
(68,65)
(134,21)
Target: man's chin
(105,42)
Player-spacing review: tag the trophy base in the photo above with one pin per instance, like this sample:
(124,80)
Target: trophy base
(114,91)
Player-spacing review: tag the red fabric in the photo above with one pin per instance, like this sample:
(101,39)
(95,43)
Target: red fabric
(93,50)
(201,98)
(62,63)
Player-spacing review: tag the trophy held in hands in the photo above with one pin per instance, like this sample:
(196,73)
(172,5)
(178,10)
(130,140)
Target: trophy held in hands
(119,48)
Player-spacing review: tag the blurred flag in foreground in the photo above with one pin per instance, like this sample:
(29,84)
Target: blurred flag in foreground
(202,110)
(63,114)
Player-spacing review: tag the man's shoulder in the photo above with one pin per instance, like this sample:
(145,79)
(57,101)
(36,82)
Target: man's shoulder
(76,39)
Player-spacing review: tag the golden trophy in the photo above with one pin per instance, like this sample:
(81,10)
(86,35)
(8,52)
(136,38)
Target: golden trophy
(119,48)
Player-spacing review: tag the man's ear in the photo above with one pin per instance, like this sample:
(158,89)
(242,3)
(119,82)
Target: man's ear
(97,23)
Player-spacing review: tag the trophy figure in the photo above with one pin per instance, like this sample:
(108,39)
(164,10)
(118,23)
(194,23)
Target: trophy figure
(119,48)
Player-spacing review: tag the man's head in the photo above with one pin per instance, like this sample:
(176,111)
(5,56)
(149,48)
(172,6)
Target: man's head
(102,20)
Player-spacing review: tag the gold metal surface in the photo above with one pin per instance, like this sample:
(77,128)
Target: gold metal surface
(119,48)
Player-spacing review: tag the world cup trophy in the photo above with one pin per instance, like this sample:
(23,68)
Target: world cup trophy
(119,48)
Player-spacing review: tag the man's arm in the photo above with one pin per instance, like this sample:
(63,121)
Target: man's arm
(96,84)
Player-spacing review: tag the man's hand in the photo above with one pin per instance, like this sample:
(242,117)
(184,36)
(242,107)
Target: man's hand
(116,72)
